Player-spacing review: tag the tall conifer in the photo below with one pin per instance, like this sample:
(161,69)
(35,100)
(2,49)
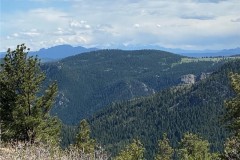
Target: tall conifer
(232,117)
(165,151)
(83,140)
(24,105)
(193,147)
(134,151)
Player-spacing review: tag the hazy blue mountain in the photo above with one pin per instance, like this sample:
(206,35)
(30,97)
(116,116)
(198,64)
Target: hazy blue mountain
(230,52)
(60,51)
(184,52)
(211,53)
(57,52)
(172,50)
(63,51)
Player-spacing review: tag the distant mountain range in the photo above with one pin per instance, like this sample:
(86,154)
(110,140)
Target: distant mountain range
(57,52)
(189,53)
(209,53)
(63,51)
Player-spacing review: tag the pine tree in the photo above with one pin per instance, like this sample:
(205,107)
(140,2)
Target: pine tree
(83,140)
(193,147)
(231,149)
(232,117)
(134,151)
(233,107)
(24,105)
(165,151)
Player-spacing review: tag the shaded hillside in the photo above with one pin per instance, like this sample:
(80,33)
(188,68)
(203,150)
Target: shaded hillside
(88,82)
(197,108)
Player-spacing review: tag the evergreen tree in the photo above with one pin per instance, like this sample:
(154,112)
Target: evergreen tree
(83,139)
(165,151)
(233,107)
(192,147)
(231,149)
(133,151)
(24,105)
(232,117)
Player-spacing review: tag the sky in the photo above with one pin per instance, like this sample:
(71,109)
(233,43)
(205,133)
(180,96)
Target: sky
(185,24)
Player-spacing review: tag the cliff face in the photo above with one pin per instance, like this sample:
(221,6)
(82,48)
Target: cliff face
(188,79)
(191,78)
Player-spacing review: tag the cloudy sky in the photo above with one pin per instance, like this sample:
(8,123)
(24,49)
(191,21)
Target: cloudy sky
(186,24)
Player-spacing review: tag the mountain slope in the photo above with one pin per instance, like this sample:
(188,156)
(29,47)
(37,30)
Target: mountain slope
(197,108)
(90,81)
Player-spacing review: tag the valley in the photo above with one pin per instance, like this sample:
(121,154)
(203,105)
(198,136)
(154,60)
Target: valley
(90,81)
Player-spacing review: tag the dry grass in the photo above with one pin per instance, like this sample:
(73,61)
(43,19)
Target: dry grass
(46,152)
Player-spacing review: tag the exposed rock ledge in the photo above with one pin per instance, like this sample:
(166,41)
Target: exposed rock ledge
(188,79)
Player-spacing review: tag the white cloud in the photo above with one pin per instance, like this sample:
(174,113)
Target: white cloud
(75,24)
(136,25)
(63,32)
(59,31)
(79,24)
(236,20)
(14,35)
(31,34)
(199,24)
(87,26)
(209,1)
(48,14)
(60,41)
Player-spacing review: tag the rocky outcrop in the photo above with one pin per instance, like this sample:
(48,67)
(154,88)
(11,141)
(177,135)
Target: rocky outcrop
(204,75)
(61,100)
(188,79)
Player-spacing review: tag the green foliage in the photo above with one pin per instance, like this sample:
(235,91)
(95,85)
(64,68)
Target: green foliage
(233,107)
(24,110)
(83,140)
(231,149)
(68,135)
(193,147)
(165,151)
(232,117)
(133,151)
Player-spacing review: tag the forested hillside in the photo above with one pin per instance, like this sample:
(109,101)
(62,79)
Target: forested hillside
(197,109)
(187,115)
(90,81)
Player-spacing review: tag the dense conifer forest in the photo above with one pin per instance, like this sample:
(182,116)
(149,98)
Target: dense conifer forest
(88,82)
(197,108)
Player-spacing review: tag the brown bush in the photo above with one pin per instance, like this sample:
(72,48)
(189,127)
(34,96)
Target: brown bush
(42,151)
